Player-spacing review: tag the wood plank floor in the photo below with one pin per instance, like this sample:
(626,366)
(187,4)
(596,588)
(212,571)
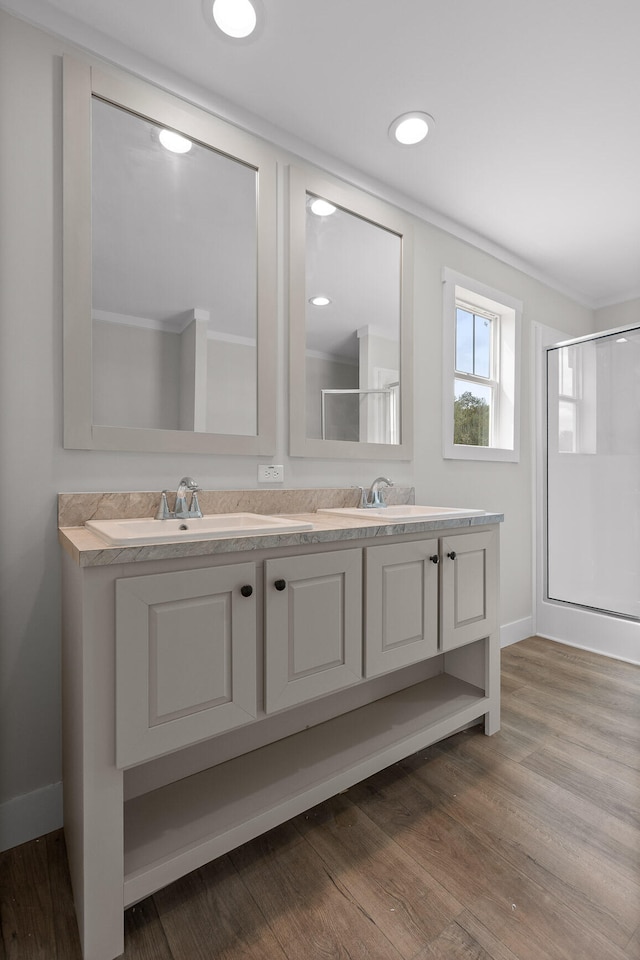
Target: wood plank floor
(520,846)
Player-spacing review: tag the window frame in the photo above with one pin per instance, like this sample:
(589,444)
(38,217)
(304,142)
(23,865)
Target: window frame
(460,290)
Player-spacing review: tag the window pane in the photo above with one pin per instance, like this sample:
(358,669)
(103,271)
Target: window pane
(464,341)
(472,414)
(482,356)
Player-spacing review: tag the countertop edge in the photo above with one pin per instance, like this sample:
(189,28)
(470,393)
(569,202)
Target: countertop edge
(88,550)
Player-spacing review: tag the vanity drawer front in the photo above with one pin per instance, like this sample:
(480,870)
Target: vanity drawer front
(401,603)
(185,658)
(313,626)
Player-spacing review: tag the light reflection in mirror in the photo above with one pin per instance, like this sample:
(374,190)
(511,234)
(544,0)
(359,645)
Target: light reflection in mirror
(174,299)
(352,354)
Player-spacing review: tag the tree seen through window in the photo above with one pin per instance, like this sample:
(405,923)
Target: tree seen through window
(471,420)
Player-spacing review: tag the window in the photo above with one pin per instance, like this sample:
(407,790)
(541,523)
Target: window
(476,393)
(481,371)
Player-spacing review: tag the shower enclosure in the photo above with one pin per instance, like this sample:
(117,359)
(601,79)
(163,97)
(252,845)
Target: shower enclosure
(593,478)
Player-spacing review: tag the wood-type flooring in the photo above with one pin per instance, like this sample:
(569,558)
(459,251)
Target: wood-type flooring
(520,846)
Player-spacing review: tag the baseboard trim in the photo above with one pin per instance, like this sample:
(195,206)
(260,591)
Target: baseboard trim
(589,630)
(31,815)
(594,648)
(516,631)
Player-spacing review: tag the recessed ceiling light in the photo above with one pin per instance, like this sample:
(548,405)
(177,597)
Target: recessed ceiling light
(236,18)
(411,128)
(321,208)
(621,340)
(174,141)
(320,301)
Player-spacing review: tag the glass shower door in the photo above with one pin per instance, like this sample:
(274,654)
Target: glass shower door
(593,472)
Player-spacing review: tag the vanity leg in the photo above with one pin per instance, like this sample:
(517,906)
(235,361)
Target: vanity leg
(479,663)
(491,722)
(95,864)
(492,684)
(93,787)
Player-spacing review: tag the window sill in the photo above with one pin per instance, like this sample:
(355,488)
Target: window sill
(456,451)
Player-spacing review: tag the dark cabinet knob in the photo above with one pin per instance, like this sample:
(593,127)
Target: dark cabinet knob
(280,584)
(247,590)
(452,554)
(435,558)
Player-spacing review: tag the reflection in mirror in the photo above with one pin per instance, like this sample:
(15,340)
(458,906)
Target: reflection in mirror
(169,273)
(350,322)
(352,326)
(174,271)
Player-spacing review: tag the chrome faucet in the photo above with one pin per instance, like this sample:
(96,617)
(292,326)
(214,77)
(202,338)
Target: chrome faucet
(181,511)
(375,497)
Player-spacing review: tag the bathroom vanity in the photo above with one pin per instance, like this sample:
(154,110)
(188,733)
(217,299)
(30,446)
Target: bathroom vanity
(213,689)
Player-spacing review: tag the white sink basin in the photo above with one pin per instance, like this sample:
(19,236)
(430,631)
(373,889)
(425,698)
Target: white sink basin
(125,533)
(403,513)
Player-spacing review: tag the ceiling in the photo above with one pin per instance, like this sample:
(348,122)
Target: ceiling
(535,153)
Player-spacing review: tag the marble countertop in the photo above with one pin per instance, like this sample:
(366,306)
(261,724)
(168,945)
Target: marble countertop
(88,549)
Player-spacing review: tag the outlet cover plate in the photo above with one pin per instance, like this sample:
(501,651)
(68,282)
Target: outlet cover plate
(270,473)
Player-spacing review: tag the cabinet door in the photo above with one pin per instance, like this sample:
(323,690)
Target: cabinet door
(185,658)
(313,626)
(468,588)
(401,620)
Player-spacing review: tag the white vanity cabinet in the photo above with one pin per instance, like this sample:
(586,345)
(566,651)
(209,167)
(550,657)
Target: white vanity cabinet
(427,596)
(401,604)
(313,626)
(185,658)
(199,713)
(468,587)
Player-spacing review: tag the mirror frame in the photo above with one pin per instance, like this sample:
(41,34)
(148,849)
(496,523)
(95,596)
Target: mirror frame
(81,82)
(304,180)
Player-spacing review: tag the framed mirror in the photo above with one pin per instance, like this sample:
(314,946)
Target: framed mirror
(169,273)
(350,322)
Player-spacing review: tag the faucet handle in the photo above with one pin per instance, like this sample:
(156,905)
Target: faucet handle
(163,509)
(363,496)
(194,508)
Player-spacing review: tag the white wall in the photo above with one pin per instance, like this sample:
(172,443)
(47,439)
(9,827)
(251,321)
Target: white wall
(618,315)
(34,467)
(231,388)
(507,487)
(136,376)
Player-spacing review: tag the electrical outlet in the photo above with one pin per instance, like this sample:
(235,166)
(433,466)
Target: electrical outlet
(270,473)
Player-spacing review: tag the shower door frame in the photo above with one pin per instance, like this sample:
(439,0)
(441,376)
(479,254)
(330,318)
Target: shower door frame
(611,634)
